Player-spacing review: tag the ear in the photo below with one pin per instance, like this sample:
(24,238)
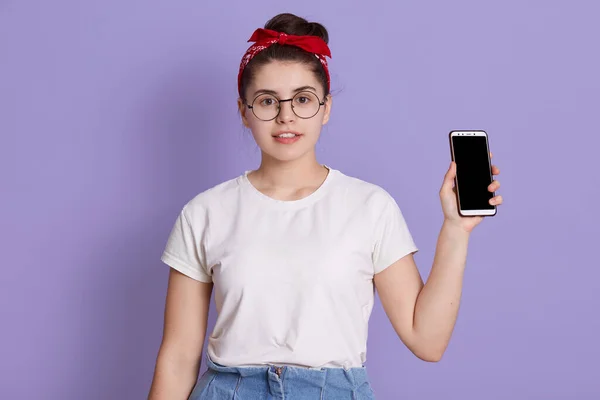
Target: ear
(327,105)
(242,109)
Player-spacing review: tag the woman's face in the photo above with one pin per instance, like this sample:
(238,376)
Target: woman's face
(283,80)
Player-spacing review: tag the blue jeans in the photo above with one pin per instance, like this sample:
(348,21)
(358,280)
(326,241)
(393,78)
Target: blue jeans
(270,382)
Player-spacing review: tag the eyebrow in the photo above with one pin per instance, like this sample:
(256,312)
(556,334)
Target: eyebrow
(273,92)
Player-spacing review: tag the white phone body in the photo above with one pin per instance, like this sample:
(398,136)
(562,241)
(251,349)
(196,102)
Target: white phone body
(470,150)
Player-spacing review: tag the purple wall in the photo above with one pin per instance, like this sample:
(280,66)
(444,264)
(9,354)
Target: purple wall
(113,114)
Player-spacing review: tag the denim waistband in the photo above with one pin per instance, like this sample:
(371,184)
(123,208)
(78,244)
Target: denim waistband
(356,375)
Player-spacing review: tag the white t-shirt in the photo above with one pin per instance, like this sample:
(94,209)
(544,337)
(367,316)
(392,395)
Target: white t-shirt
(293,280)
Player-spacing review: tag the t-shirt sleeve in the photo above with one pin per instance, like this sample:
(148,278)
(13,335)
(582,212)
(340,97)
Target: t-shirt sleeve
(185,249)
(393,239)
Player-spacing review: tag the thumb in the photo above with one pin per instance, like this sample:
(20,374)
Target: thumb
(449,177)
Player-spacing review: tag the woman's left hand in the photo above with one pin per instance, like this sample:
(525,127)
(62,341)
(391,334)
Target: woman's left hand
(450,205)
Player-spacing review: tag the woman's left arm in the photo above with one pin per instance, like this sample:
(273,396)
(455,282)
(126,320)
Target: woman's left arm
(424,315)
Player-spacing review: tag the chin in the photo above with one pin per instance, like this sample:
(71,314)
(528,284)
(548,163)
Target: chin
(287,155)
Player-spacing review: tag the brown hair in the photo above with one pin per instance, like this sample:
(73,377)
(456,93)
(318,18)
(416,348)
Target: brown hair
(292,25)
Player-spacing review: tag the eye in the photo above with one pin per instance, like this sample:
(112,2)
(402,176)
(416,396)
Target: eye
(268,102)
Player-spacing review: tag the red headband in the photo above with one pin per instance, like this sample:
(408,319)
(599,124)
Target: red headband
(264,38)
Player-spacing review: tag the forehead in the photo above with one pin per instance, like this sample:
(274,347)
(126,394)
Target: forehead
(283,77)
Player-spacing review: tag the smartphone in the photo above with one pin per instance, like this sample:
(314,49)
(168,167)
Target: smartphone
(471,153)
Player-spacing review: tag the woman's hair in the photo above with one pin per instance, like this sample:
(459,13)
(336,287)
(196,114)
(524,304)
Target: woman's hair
(292,25)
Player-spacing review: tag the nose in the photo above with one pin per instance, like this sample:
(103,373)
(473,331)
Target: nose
(286,113)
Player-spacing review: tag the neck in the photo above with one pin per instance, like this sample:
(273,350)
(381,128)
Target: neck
(290,175)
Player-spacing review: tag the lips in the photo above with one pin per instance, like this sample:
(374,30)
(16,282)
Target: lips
(287,139)
(284,132)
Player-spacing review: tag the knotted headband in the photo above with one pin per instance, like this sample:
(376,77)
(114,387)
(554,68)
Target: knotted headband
(263,38)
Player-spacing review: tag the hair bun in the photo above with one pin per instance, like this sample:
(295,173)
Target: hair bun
(316,29)
(294,25)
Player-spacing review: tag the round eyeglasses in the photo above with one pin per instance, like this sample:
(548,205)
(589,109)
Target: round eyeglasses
(266,107)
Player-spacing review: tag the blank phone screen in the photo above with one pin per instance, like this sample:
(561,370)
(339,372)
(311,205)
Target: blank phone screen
(472,172)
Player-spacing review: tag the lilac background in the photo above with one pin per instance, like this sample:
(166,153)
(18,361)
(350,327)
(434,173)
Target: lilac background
(114,114)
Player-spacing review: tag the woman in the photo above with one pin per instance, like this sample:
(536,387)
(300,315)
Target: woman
(294,250)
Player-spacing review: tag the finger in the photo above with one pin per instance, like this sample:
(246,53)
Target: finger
(495,185)
(497,200)
(491,155)
(449,177)
(495,170)
(451,173)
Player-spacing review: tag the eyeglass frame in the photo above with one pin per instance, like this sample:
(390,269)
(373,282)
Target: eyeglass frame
(321,103)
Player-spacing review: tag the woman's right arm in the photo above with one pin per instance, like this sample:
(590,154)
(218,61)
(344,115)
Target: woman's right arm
(180,353)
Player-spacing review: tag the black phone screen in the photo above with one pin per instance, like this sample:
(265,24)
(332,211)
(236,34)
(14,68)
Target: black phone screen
(473,174)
